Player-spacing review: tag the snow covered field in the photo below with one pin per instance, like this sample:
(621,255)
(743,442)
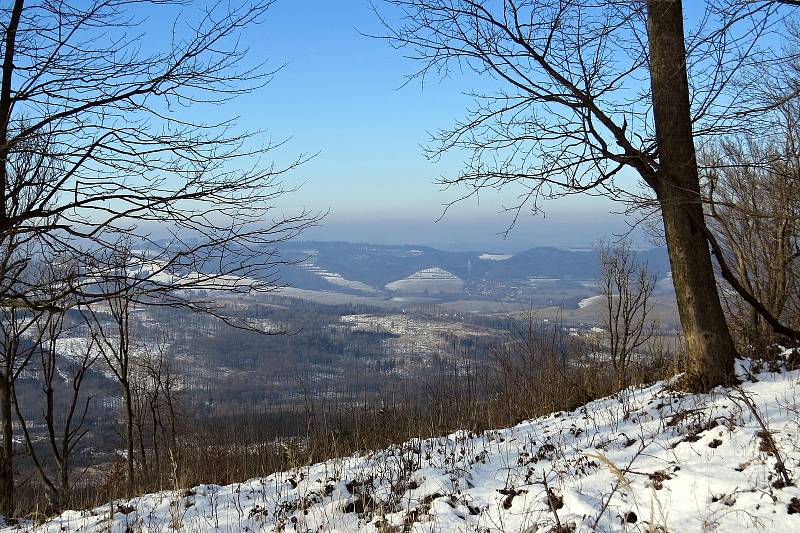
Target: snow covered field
(336,279)
(586,302)
(647,459)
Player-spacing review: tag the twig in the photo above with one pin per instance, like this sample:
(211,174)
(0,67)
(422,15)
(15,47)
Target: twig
(767,435)
(550,502)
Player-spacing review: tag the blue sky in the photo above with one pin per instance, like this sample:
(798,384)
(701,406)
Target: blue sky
(340,95)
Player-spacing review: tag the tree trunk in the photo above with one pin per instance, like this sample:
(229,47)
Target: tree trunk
(6,101)
(126,392)
(6,455)
(156,458)
(64,489)
(711,350)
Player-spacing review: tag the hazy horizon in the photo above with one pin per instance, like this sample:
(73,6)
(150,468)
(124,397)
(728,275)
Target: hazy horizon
(485,234)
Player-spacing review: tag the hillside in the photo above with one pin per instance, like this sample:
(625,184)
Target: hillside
(377,265)
(647,459)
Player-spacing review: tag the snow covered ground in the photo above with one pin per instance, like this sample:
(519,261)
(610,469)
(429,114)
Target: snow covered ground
(647,459)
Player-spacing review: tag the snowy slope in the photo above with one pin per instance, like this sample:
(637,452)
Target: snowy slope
(645,460)
(428,280)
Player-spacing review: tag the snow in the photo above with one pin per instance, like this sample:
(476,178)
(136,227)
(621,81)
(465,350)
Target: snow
(428,280)
(646,459)
(337,279)
(495,257)
(586,302)
(416,343)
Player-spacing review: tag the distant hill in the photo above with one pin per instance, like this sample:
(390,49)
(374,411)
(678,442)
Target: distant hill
(546,262)
(379,265)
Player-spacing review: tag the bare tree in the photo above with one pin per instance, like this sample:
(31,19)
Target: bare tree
(110,323)
(15,326)
(589,92)
(106,139)
(753,190)
(64,430)
(540,368)
(626,288)
(155,401)
(101,141)
(20,337)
